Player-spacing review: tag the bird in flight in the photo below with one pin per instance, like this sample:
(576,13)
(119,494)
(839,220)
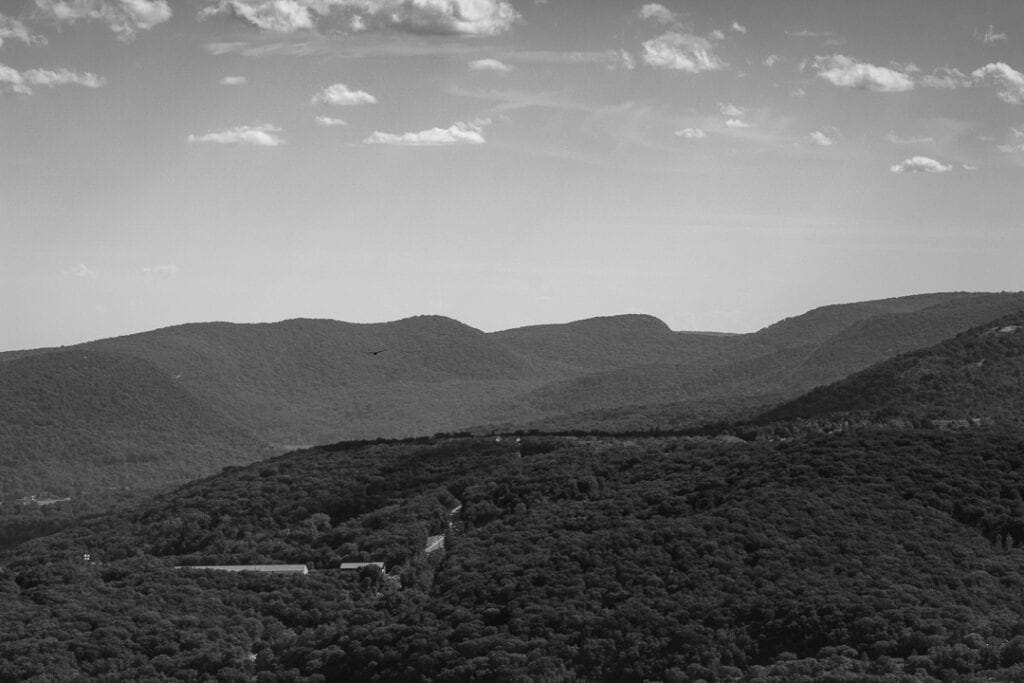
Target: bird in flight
(374,353)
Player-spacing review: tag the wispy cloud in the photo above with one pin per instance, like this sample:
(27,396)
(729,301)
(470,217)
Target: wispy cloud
(946,78)
(682,52)
(330,121)
(772,60)
(12,80)
(691,133)
(844,72)
(489,64)
(729,109)
(805,33)
(920,164)
(736,123)
(656,12)
(458,133)
(341,95)
(475,18)
(14,29)
(124,17)
(265,135)
(161,272)
(895,139)
(820,139)
(234,80)
(1008,79)
(738,27)
(990,35)
(81,271)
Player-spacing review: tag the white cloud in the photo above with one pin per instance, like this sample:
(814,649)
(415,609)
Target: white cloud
(652,11)
(457,134)
(162,272)
(12,80)
(458,17)
(330,121)
(341,95)
(1010,80)
(897,140)
(729,109)
(736,123)
(946,78)
(990,35)
(738,27)
(489,65)
(969,167)
(820,139)
(124,17)
(840,70)
(1009,149)
(691,134)
(772,60)
(265,135)
(1017,132)
(683,52)
(797,92)
(234,80)
(920,164)
(13,29)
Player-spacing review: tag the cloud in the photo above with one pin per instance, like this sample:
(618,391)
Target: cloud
(990,35)
(162,272)
(340,94)
(820,139)
(234,80)
(920,164)
(124,17)
(659,13)
(841,71)
(736,123)
(946,78)
(682,52)
(804,33)
(12,80)
(1010,80)
(81,271)
(897,140)
(489,65)
(330,121)
(458,133)
(13,29)
(738,27)
(691,134)
(729,109)
(259,136)
(451,17)
(772,60)
(1009,149)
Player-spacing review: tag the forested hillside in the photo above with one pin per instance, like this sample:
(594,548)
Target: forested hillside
(882,555)
(256,389)
(82,421)
(978,376)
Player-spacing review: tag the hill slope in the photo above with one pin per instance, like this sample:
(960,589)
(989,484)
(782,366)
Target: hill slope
(884,556)
(977,375)
(74,420)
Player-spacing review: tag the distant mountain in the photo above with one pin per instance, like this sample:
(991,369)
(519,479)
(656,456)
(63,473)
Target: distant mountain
(975,377)
(83,420)
(300,382)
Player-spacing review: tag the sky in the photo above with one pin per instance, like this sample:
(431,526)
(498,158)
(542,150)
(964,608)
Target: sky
(718,164)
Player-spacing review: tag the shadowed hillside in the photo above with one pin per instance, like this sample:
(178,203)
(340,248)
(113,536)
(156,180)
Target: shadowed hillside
(300,382)
(977,376)
(73,421)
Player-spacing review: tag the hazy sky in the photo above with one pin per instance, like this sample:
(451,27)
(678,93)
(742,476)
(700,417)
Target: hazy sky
(718,164)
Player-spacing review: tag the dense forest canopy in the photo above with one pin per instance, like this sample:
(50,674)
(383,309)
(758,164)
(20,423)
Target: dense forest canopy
(873,553)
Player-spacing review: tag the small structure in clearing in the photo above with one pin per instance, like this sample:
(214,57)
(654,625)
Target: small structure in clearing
(264,568)
(356,566)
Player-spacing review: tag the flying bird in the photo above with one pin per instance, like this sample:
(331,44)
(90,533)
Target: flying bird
(374,353)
